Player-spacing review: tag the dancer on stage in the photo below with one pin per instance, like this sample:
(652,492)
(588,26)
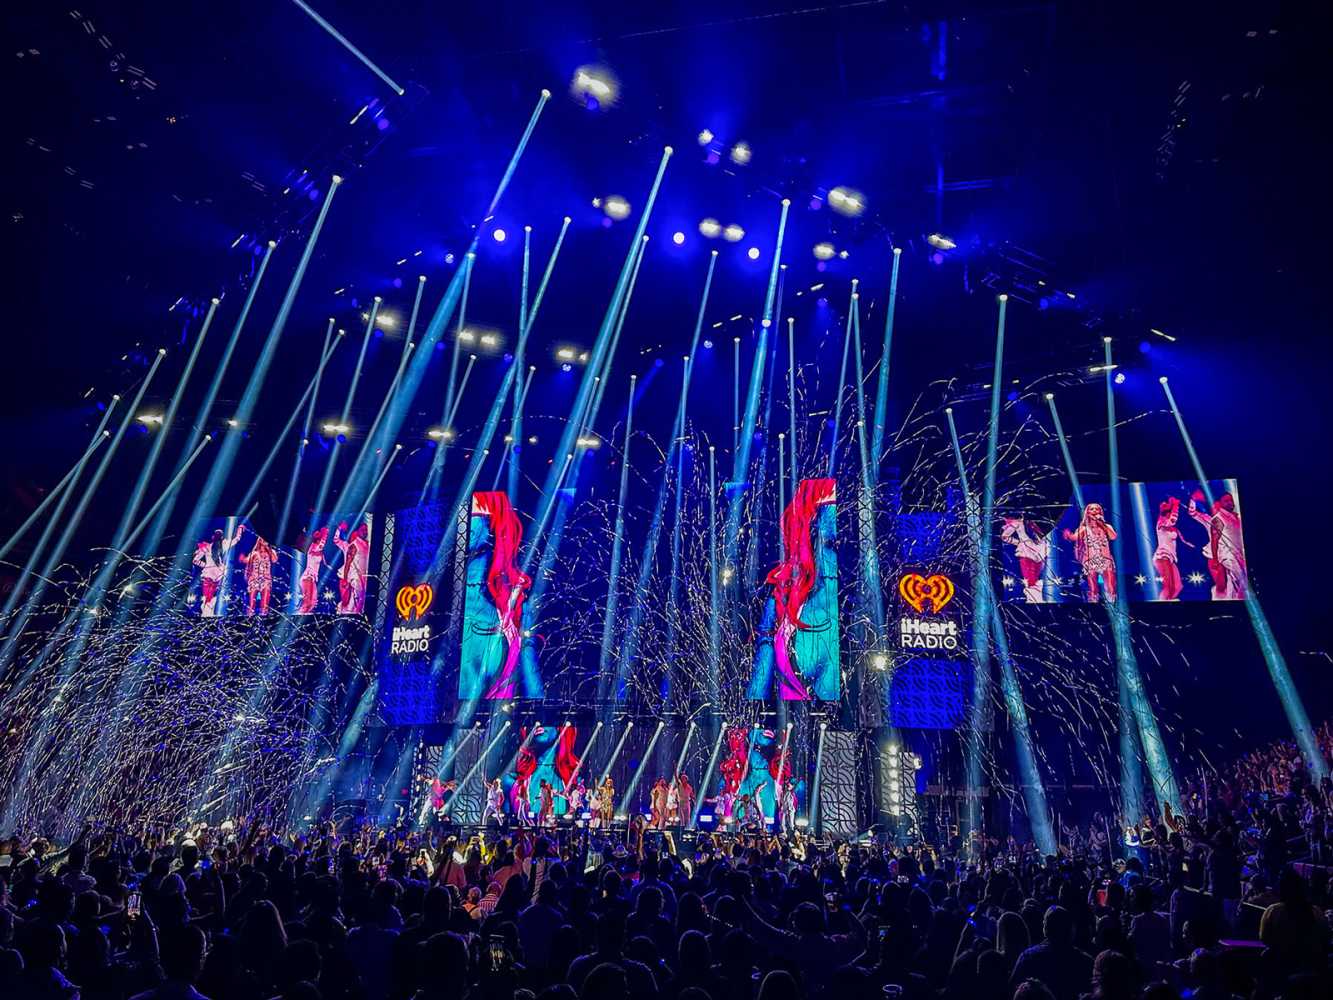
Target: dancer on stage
(1092,548)
(595,808)
(673,804)
(520,801)
(1032,548)
(607,806)
(356,565)
(685,793)
(1225,547)
(259,574)
(211,557)
(314,561)
(495,802)
(1164,557)
(787,805)
(657,811)
(438,790)
(578,799)
(546,811)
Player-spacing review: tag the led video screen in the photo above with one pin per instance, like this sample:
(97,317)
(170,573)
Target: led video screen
(1176,544)
(498,659)
(797,648)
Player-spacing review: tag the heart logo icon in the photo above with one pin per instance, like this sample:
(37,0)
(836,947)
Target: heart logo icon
(414,601)
(918,591)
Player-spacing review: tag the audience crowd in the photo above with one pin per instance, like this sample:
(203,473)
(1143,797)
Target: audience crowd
(1229,900)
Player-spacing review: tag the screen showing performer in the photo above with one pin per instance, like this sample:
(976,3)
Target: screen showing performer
(332,565)
(1175,541)
(216,570)
(798,635)
(1195,549)
(1029,542)
(539,790)
(498,659)
(238,571)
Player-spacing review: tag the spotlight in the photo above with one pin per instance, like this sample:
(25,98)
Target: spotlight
(847,201)
(843,254)
(1119,378)
(941,242)
(566,367)
(705,137)
(678,238)
(708,345)
(334,429)
(499,235)
(752,253)
(710,228)
(740,154)
(151,419)
(733,233)
(595,87)
(616,207)
(824,251)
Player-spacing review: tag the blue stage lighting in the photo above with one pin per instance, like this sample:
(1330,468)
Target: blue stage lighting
(752,253)
(1119,378)
(708,344)
(678,238)
(499,235)
(566,367)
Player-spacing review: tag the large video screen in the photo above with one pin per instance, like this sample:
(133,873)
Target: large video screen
(1177,545)
(498,658)
(797,648)
(331,565)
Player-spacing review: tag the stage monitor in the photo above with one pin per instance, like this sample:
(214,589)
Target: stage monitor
(797,648)
(1172,545)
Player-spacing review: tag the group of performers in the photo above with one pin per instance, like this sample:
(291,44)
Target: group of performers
(1223,550)
(212,558)
(745,810)
(598,803)
(672,802)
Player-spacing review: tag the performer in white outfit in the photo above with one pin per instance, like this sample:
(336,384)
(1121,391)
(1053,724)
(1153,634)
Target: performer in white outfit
(787,806)
(1225,548)
(1164,556)
(495,802)
(356,564)
(1032,549)
(314,562)
(211,557)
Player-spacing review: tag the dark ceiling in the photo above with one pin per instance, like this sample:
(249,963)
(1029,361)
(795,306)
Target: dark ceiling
(1162,162)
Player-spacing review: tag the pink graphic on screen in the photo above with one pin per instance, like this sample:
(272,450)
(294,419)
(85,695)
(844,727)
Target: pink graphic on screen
(506,583)
(795,577)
